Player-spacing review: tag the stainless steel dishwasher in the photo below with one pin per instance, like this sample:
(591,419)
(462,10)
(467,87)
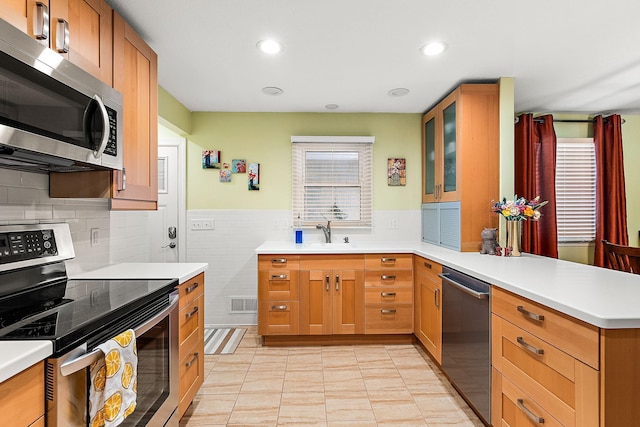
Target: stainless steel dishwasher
(466,338)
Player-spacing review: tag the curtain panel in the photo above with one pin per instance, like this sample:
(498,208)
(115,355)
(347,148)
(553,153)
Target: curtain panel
(535,175)
(611,204)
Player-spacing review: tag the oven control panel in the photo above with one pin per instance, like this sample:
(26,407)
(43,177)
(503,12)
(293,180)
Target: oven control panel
(25,245)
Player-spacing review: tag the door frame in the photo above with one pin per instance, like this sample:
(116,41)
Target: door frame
(181,144)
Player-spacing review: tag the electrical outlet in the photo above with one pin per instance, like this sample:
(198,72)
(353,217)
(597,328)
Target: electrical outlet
(202,224)
(394,224)
(95,236)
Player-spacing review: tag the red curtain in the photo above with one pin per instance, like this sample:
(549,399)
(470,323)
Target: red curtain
(611,204)
(535,175)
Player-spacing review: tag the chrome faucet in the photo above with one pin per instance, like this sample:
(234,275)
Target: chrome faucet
(326,230)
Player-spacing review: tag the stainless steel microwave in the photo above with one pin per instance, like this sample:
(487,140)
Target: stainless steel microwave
(54,116)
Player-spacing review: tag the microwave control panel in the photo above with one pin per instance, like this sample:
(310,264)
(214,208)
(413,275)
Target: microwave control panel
(112,145)
(25,245)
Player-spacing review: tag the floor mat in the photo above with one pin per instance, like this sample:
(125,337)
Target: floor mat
(222,341)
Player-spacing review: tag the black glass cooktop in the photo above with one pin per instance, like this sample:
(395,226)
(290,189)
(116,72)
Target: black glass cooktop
(82,311)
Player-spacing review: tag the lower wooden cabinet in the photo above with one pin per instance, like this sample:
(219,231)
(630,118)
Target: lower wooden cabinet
(278,295)
(191,340)
(22,398)
(428,312)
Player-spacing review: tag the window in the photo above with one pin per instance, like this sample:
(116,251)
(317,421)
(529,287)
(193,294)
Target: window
(576,190)
(332,180)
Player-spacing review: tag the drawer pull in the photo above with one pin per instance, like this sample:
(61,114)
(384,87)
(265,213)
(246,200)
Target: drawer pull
(538,317)
(192,361)
(279,261)
(426,264)
(436,297)
(279,307)
(193,313)
(326,281)
(385,260)
(192,287)
(385,277)
(387,294)
(278,276)
(529,347)
(337,282)
(388,311)
(528,413)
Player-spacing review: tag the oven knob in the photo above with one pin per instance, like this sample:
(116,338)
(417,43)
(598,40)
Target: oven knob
(47,245)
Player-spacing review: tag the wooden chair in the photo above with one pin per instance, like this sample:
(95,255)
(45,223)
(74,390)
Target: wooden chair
(623,258)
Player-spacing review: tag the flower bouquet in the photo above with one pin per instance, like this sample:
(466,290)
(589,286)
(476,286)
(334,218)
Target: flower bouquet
(515,211)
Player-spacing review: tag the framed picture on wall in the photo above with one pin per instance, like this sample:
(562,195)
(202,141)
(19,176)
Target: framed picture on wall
(238,166)
(396,172)
(254,176)
(210,159)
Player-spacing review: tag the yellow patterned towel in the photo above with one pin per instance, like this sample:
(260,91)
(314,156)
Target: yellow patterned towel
(114,384)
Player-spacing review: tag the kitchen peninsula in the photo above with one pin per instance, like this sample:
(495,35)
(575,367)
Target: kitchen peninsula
(578,324)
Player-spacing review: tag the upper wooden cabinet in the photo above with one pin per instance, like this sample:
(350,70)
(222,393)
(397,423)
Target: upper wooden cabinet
(88,24)
(460,162)
(135,75)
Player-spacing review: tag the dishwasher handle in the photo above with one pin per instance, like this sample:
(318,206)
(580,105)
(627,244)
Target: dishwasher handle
(463,288)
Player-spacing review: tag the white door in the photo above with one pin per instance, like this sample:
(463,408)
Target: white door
(164,223)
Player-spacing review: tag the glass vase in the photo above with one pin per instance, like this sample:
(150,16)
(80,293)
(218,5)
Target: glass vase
(513,237)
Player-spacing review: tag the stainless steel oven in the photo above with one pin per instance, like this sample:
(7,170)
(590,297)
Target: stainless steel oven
(38,302)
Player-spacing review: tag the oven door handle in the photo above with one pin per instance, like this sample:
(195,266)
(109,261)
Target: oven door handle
(78,363)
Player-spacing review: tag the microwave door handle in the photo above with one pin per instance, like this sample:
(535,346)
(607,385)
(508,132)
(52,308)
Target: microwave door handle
(107,129)
(78,363)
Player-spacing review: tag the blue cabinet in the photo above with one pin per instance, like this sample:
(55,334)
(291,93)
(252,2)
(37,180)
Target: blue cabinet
(441,224)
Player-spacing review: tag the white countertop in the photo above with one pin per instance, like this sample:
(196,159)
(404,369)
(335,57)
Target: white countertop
(182,271)
(604,298)
(16,356)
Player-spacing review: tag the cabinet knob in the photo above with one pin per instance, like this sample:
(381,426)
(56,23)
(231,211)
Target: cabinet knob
(192,287)
(538,317)
(387,294)
(279,261)
(388,311)
(385,277)
(279,307)
(278,276)
(41,21)
(387,260)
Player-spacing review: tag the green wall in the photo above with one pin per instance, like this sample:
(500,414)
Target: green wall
(173,114)
(265,138)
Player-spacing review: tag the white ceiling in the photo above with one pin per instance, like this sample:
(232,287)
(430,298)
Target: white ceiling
(565,56)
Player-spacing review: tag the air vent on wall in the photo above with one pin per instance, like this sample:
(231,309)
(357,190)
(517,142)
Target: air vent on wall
(244,305)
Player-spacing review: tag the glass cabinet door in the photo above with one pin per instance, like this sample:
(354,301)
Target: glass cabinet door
(449,149)
(429,159)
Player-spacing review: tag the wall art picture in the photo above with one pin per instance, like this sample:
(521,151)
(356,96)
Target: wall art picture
(210,159)
(254,176)
(238,166)
(397,172)
(225,175)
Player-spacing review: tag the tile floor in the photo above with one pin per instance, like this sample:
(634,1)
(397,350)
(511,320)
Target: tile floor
(368,385)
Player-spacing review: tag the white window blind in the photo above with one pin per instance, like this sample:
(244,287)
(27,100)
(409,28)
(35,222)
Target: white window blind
(332,180)
(576,190)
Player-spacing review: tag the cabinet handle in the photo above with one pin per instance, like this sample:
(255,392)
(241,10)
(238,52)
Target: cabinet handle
(436,298)
(192,361)
(388,311)
(193,313)
(426,264)
(383,277)
(123,179)
(192,287)
(41,21)
(387,294)
(278,276)
(62,36)
(279,307)
(538,317)
(279,261)
(385,260)
(529,347)
(326,281)
(536,419)
(337,282)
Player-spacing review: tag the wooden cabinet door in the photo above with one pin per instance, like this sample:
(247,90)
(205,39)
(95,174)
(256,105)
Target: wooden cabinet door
(429,318)
(136,77)
(448,143)
(315,302)
(431,151)
(15,12)
(348,302)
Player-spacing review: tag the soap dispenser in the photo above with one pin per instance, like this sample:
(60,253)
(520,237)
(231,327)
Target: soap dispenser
(298,230)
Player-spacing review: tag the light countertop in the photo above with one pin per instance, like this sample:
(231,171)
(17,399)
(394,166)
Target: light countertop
(146,270)
(16,356)
(604,298)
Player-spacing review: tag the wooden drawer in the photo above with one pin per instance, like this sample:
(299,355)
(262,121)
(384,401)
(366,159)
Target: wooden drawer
(579,339)
(388,319)
(427,267)
(278,317)
(278,262)
(278,285)
(190,290)
(385,261)
(191,373)
(400,278)
(565,387)
(332,262)
(388,295)
(191,320)
(509,406)
(22,397)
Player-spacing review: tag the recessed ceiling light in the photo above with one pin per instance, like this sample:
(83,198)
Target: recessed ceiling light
(400,91)
(272,90)
(332,106)
(270,47)
(433,48)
